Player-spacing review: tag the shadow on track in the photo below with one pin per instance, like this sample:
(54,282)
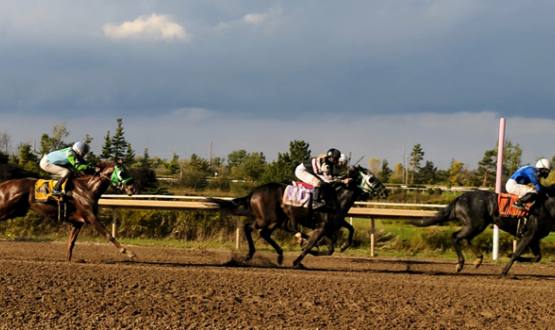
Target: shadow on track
(406,267)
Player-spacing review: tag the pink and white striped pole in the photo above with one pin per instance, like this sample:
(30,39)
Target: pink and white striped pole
(498,183)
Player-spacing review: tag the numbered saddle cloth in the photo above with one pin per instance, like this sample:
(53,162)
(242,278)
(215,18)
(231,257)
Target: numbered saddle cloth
(297,195)
(506,202)
(44,188)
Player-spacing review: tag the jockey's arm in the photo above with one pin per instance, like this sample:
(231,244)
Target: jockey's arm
(77,164)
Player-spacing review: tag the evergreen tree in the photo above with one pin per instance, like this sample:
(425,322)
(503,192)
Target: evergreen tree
(173,165)
(119,145)
(129,155)
(416,156)
(427,174)
(145,161)
(487,167)
(107,147)
(512,158)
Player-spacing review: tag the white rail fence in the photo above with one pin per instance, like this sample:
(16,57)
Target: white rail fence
(370,210)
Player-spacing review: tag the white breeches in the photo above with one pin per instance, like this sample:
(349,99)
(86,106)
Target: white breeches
(518,189)
(307,177)
(52,168)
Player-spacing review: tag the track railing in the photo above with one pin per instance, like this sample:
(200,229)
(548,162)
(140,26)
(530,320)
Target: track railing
(370,210)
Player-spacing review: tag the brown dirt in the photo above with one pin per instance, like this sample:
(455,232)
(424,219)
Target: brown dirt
(174,288)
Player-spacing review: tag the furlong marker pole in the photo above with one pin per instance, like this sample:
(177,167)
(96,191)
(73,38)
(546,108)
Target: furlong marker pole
(498,178)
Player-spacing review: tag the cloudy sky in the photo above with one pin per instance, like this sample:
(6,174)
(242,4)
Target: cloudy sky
(371,77)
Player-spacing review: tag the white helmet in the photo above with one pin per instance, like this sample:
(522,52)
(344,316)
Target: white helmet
(544,163)
(343,159)
(80,148)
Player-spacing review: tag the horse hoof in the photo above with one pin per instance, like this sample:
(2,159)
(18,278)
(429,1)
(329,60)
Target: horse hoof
(131,255)
(280,259)
(459,267)
(299,266)
(478,262)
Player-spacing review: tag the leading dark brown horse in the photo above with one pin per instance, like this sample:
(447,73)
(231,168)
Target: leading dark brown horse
(17,198)
(265,211)
(476,210)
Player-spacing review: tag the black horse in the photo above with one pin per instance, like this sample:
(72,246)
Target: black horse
(266,212)
(476,210)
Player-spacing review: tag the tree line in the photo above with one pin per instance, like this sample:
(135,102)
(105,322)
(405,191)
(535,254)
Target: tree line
(241,168)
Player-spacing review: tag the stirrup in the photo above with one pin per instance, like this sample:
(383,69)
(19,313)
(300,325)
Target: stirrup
(58,193)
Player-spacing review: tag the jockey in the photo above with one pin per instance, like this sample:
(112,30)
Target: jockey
(317,171)
(65,161)
(519,183)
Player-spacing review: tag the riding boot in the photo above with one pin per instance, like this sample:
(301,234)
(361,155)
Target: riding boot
(317,199)
(57,191)
(527,198)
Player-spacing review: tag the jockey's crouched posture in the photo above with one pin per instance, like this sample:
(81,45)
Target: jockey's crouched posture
(317,171)
(525,182)
(65,161)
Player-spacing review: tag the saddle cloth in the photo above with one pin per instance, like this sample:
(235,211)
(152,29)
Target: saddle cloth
(506,209)
(297,195)
(44,188)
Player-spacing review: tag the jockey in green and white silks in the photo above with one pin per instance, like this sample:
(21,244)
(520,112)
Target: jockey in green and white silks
(65,161)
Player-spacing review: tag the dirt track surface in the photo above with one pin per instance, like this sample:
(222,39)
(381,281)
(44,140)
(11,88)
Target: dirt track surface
(174,288)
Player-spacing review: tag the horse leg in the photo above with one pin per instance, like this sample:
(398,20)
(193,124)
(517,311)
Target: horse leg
(247,229)
(74,232)
(266,233)
(456,242)
(315,237)
(351,235)
(522,245)
(477,253)
(102,231)
(535,247)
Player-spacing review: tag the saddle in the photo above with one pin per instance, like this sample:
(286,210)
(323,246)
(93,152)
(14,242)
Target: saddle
(298,194)
(506,207)
(44,188)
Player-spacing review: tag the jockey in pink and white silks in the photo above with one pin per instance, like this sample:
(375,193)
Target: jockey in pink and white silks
(525,182)
(317,171)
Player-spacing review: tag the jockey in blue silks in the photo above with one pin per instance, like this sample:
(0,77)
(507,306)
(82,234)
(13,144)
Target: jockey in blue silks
(525,182)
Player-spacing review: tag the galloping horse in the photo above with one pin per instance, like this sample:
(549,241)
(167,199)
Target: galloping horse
(475,210)
(266,212)
(17,197)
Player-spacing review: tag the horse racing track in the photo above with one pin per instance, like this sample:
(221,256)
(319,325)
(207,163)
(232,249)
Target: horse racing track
(174,288)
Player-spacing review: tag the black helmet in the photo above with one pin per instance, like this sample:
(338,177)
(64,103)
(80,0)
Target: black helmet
(333,154)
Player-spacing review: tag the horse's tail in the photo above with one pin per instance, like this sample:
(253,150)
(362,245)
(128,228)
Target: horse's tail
(442,216)
(237,206)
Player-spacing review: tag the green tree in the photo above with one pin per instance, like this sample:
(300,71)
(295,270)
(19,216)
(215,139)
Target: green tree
(511,158)
(416,156)
(251,167)
(196,170)
(385,173)
(54,141)
(427,174)
(487,167)
(283,168)
(118,144)
(129,155)
(456,173)
(173,165)
(106,147)
(27,159)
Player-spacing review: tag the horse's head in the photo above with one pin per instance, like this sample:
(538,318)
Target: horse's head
(119,177)
(367,182)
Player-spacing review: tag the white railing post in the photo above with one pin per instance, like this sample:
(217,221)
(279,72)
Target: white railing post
(498,178)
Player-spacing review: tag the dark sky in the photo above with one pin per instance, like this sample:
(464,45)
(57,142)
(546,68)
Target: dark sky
(277,60)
